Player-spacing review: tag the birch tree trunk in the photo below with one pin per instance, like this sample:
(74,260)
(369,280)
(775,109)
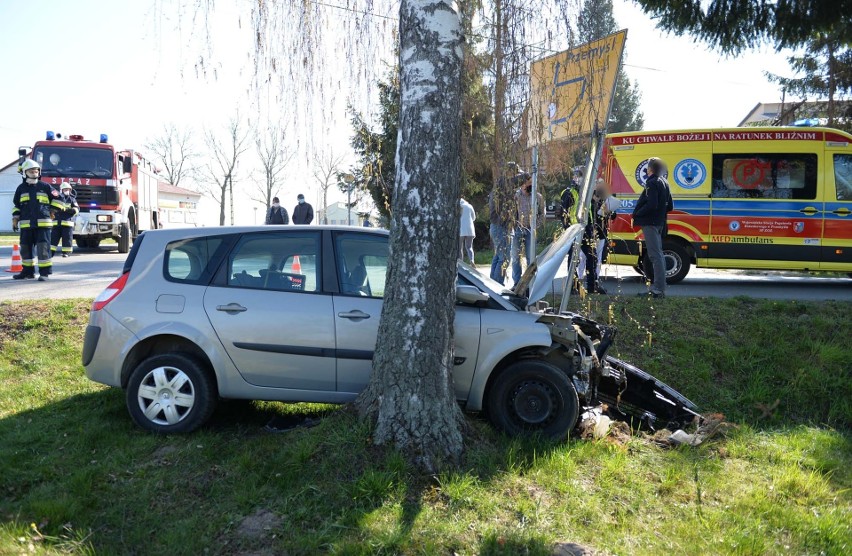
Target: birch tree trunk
(410,395)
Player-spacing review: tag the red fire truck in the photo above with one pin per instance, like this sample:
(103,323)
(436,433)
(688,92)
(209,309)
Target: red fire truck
(116,189)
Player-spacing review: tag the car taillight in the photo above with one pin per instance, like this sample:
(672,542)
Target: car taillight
(110,292)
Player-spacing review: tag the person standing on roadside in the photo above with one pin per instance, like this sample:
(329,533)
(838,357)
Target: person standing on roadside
(523,224)
(304,212)
(501,214)
(276,213)
(467,230)
(63,229)
(650,214)
(33,205)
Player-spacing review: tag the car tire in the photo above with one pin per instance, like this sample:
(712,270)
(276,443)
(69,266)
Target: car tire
(532,396)
(170,394)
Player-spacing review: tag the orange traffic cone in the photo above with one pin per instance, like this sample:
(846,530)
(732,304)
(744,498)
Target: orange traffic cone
(16,260)
(297,266)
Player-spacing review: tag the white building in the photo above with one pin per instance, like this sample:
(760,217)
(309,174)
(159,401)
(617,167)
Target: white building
(339,214)
(10,179)
(178,206)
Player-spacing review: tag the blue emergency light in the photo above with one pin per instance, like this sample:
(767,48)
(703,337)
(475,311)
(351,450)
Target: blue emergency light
(51,136)
(104,138)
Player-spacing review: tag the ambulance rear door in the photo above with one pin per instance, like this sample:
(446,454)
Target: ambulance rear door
(837,232)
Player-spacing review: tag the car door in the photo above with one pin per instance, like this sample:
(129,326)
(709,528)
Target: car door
(270,315)
(362,269)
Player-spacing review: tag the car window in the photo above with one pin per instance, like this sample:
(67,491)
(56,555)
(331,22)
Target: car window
(276,261)
(362,262)
(193,260)
(843,176)
(765,176)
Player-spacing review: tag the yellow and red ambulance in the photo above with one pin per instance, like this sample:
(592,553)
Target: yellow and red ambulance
(749,198)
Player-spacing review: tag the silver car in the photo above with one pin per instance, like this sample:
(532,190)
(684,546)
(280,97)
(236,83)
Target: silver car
(290,313)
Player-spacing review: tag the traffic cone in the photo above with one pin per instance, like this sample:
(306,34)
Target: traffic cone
(16,260)
(297,266)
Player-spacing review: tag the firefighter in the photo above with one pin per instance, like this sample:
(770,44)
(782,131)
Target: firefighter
(64,226)
(33,204)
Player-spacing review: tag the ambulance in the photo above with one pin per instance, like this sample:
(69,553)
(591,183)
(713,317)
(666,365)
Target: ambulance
(748,198)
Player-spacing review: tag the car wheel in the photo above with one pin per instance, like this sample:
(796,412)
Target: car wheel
(533,396)
(677,262)
(170,394)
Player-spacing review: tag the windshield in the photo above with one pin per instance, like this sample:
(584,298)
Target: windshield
(77,162)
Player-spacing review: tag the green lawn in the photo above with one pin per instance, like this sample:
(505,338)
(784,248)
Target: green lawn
(77,477)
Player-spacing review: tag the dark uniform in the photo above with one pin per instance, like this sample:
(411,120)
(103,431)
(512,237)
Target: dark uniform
(64,227)
(33,204)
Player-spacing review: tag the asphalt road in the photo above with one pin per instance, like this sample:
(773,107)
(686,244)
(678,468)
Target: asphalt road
(84,274)
(87,272)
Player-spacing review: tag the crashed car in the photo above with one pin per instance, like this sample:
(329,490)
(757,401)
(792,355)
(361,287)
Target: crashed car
(291,314)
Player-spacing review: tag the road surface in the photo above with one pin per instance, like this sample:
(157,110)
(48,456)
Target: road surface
(87,272)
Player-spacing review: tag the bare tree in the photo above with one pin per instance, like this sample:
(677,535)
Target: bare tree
(274,156)
(174,148)
(326,170)
(222,163)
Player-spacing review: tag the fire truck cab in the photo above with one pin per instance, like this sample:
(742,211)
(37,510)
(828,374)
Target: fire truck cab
(747,198)
(116,189)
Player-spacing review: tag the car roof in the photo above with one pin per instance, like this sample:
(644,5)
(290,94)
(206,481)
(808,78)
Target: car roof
(182,233)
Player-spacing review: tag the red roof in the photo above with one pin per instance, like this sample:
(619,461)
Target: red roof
(175,190)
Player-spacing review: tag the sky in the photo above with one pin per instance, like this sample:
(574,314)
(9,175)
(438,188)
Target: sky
(128,67)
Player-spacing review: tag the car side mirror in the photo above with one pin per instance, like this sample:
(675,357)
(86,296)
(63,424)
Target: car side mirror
(470,294)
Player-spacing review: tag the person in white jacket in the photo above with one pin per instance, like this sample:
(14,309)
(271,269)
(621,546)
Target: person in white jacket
(466,230)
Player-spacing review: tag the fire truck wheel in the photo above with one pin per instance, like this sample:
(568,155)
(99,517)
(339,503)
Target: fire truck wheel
(124,239)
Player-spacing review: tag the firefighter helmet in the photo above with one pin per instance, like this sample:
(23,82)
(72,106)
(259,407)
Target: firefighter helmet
(29,164)
(65,185)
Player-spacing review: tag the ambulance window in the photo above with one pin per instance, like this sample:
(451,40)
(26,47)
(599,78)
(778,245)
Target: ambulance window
(765,176)
(843,176)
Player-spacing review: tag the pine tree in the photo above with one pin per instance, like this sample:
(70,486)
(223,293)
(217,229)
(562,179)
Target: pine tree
(825,71)
(736,25)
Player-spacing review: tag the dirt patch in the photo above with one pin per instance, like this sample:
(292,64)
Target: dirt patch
(259,524)
(14,317)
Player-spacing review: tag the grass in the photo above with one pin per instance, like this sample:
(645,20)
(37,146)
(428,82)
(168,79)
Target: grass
(76,477)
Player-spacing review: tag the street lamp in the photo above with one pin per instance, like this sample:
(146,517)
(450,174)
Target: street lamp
(255,216)
(350,182)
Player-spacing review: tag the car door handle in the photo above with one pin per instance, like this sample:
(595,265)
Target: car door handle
(231,308)
(354,315)
(809,210)
(844,211)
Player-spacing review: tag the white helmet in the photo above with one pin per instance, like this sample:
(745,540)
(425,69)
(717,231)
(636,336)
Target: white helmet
(65,185)
(30,164)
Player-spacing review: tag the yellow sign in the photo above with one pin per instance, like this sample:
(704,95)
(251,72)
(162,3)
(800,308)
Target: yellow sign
(571,91)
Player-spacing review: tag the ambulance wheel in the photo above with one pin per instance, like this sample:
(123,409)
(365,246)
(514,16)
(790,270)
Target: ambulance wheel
(124,239)
(677,262)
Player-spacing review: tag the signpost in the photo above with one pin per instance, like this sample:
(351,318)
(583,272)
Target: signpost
(571,97)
